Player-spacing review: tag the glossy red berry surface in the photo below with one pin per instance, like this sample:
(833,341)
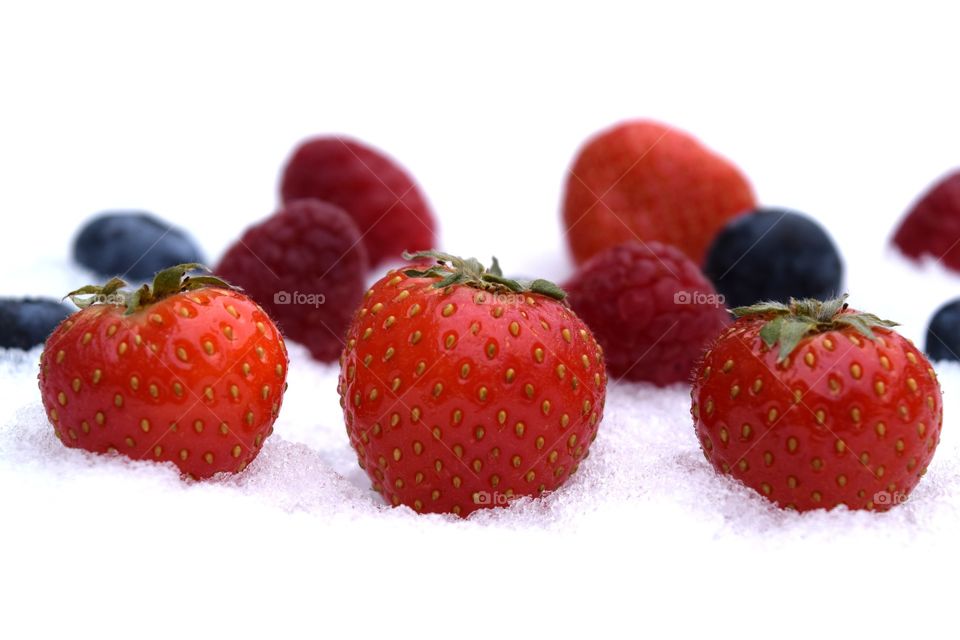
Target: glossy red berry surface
(458,398)
(841,420)
(196,378)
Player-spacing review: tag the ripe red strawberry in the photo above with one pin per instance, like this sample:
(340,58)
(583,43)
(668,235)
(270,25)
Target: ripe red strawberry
(462,389)
(189,371)
(383,199)
(645,180)
(844,411)
(650,308)
(932,228)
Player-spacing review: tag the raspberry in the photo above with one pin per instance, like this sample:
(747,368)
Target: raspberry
(645,180)
(933,225)
(650,308)
(305,265)
(384,201)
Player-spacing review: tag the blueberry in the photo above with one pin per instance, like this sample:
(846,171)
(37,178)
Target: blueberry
(26,322)
(773,254)
(132,245)
(943,334)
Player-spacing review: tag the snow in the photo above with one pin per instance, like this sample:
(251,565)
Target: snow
(644,506)
(842,117)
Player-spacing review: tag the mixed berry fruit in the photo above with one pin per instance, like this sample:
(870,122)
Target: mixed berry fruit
(462,389)
(815,405)
(650,308)
(773,254)
(188,371)
(643,180)
(306,266)
(26,322)
(132,244)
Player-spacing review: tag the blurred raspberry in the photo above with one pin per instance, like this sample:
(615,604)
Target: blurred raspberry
(305,265)
(651,309)
(380,196)
(932,228)
(647,180)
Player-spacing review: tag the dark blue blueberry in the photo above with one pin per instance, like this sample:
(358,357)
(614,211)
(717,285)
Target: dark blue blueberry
(26,322)
(773,254)
(132,245)
(943,334)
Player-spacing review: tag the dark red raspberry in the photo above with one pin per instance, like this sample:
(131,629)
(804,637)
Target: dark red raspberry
(305,265)
(932,227)
(651,309)
(382,198)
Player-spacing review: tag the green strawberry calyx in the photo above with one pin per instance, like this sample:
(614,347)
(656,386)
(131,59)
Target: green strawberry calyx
(789,323)
(175,279)
(453,270)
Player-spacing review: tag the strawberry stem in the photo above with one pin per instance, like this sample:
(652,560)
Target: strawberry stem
(167,282)
(789,323)
(452,270)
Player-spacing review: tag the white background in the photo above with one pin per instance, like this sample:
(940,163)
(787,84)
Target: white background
(844,112)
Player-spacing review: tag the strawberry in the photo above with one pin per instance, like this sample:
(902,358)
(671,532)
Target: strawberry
(462,389)
(189,371)
(641,180)
(845,411)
